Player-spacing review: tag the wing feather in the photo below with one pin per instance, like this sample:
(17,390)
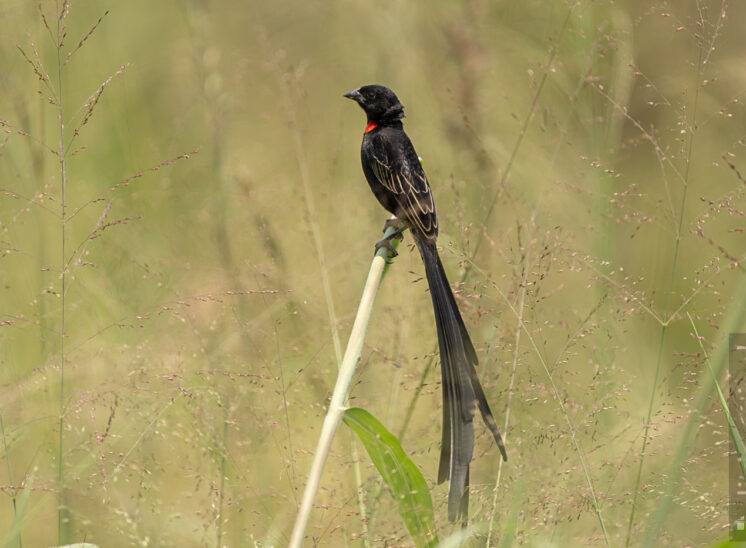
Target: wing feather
(400,173)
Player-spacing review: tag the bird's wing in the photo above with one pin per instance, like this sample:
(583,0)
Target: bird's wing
(398,169)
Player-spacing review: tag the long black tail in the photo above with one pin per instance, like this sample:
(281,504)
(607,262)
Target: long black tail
(462,392)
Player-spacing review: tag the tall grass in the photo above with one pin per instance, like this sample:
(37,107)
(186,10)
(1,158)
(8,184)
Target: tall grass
(169,330)
(57,96)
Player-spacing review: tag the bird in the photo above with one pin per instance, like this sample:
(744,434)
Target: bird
(396,177)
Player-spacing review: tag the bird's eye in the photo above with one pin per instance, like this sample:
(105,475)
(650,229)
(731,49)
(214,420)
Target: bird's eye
(369,94)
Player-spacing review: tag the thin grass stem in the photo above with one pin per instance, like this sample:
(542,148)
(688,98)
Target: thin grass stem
(223,459)
(511,384)
(521,135)
(488,215)
(294,483)
(565,414)
(14,494)
(667,317)
(61,512)
(734,321)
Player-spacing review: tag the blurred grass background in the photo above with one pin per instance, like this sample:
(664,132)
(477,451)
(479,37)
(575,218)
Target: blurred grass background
(587,160)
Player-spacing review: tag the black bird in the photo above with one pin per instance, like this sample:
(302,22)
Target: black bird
(396,177)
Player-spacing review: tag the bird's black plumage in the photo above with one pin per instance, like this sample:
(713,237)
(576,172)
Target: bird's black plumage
(396,177)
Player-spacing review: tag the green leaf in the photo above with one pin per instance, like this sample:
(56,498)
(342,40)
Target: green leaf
(400,474)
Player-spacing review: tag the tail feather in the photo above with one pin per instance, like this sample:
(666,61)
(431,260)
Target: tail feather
(462,392)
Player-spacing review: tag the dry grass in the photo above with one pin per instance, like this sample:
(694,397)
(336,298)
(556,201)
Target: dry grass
(167,336)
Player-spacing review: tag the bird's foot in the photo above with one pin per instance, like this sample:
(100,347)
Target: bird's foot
(386,242)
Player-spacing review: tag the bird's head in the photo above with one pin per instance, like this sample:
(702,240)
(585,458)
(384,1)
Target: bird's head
(379,103)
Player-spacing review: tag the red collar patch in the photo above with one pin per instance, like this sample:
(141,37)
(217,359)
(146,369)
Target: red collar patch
(370,127)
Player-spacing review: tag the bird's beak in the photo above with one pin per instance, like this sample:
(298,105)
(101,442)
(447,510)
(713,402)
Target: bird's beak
(354,95)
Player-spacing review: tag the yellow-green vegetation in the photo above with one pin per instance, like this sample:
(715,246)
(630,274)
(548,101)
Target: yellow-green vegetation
(185,231)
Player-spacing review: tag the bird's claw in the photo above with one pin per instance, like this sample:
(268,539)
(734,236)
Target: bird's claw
(386,242)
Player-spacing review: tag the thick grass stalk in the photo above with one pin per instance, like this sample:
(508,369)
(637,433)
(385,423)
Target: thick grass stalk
(339,396)
(305,176)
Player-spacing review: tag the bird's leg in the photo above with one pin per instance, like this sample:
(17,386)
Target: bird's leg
(386,242)
(393,221)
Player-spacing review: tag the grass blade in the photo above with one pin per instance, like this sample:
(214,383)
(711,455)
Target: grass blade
(734,433)
(14,536)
